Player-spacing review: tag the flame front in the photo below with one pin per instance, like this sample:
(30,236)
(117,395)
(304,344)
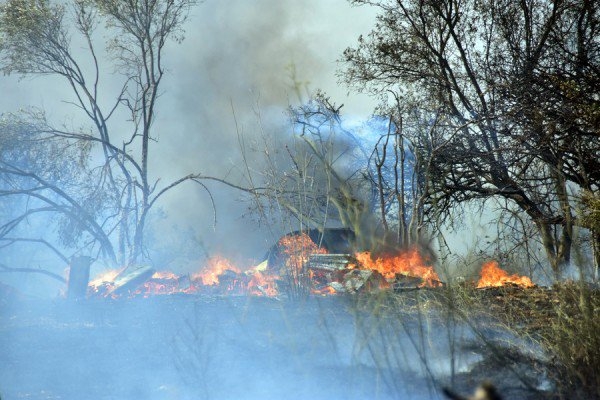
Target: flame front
(492,275)
(408,263)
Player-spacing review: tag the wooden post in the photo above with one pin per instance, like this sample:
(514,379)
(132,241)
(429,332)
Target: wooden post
(79,276)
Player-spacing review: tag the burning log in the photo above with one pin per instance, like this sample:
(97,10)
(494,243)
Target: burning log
(79,276)
(132,280)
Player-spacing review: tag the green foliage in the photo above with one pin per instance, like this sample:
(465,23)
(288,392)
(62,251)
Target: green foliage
(33,38)
(590,211)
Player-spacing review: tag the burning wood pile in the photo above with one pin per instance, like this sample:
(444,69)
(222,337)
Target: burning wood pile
(298,263)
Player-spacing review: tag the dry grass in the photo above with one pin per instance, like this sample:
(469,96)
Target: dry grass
(562,323)
(563,320)
(572,338)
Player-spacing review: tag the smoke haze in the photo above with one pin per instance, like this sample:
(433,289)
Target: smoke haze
(239,59)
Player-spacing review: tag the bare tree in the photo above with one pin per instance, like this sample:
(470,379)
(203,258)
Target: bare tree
(36,39)
(400,171)
(328,174)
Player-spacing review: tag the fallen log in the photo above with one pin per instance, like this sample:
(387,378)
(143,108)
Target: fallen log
(131,280)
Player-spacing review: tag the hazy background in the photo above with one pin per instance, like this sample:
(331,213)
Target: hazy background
(237,55)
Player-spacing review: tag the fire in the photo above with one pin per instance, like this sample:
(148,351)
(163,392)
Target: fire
(216,266)
(299,262)
(297,249)
(161,282)
(218,277)
(103,280)
(106,276)
(408,263)
(262,285)
(493,275)
(164,275)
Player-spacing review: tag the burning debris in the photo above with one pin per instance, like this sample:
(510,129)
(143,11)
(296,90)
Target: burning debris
(298,262)
(408,263)
(359,280)
(216,267)
(494,276)
(130,281)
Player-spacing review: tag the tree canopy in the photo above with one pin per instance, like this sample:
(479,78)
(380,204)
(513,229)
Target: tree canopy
(513,90)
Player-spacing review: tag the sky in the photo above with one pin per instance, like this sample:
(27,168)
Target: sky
(237,60)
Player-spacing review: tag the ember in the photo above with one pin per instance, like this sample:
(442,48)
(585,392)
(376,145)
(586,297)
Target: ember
(492,275)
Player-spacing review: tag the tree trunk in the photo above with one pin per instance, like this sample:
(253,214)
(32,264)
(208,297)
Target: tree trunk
(79,276)
(557,252)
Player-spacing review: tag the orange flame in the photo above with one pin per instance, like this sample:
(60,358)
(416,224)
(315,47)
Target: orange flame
(297,249)
(104,279)
(215,266)
(325,291)
(409,263)
(262,285)
(221,275)
(493,275)
(161,282)
(107,276)
(164,275)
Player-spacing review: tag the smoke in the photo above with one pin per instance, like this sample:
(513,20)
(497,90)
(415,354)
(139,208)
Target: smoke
(232,78)
(242,64)
(191,348)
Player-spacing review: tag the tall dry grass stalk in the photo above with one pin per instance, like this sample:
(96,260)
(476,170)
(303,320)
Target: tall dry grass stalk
(572,338)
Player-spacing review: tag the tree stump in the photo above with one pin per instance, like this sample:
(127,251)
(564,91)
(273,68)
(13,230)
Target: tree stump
(79,276)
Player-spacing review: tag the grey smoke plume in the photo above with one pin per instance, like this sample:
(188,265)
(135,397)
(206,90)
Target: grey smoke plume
(237,56)
(241,59)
